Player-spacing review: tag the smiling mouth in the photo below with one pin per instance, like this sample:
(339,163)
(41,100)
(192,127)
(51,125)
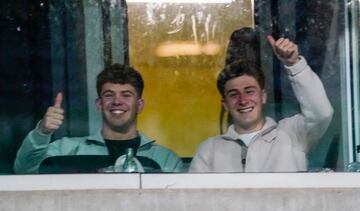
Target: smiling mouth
(117,111)
(246,110)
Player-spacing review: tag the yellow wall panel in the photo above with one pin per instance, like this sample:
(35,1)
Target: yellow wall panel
(179,49)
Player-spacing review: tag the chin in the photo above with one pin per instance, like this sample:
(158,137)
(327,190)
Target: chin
(247,125)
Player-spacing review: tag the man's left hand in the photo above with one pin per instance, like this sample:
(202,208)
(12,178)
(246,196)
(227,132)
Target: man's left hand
(285,50)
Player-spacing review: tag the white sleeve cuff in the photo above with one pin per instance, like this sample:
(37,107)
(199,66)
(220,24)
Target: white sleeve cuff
(296,68)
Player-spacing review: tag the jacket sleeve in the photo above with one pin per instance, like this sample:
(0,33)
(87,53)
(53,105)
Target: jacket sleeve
(175,165)
(32,152)
(316,110)
(171,162)
(200,162)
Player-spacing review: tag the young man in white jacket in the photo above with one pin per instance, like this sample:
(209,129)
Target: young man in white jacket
(255,143)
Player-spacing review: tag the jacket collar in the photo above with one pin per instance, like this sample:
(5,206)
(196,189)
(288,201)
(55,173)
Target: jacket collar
(97,138)
(268,132)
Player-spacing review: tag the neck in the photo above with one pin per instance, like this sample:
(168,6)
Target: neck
(240,129)
(112,134)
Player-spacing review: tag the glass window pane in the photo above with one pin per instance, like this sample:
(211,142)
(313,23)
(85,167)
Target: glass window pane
(179,47)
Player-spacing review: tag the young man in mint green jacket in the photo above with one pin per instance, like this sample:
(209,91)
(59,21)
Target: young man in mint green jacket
(120,101)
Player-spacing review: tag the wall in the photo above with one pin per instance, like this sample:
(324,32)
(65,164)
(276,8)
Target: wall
(281,192)
(184,199)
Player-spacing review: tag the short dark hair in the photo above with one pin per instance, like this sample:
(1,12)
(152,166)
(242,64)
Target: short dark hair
(120,74)
(237,69)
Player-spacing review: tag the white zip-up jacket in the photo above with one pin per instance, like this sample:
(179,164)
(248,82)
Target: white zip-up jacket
(278,147)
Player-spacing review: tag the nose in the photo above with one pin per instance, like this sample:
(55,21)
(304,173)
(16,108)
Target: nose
(118,100)
(242,99)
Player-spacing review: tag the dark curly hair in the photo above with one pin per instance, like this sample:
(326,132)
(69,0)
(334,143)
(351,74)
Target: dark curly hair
(237,69)
(120,74)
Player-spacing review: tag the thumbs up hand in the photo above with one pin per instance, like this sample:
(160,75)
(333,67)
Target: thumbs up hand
(285,50)
(53,117)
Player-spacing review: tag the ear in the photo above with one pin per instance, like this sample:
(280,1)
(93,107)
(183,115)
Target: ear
(223,102)
(264,96)
(140,105)
(98,104)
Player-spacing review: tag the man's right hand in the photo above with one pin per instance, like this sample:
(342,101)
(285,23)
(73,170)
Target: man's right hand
(53,117)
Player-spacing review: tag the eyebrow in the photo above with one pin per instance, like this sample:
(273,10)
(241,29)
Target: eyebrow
(112,92)
(246,88)
(231,90)
(250,87)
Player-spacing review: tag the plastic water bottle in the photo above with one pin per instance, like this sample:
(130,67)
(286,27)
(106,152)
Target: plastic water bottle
(130,162)
(355,166)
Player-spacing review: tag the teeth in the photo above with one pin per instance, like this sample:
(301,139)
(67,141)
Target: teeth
(245,110)
(117,112)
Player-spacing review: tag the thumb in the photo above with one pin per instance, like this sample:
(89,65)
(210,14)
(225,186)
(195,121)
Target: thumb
(58,100)
(271,40)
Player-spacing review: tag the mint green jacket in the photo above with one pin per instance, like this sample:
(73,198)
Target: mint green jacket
(36,147)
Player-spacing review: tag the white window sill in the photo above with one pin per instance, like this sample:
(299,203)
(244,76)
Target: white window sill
(178,181)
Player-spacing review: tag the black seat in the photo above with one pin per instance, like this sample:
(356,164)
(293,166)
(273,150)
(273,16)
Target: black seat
(149,165)
(87,164)
(186,163)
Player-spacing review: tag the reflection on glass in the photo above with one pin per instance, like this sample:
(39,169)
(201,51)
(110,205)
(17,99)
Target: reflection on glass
(352,77)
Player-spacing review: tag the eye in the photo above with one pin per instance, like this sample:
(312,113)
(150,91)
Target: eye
(108,95)
(127,94)
(250,91)
(232,94)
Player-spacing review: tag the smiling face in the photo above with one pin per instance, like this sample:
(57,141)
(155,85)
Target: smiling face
(244,99)
(119,105)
